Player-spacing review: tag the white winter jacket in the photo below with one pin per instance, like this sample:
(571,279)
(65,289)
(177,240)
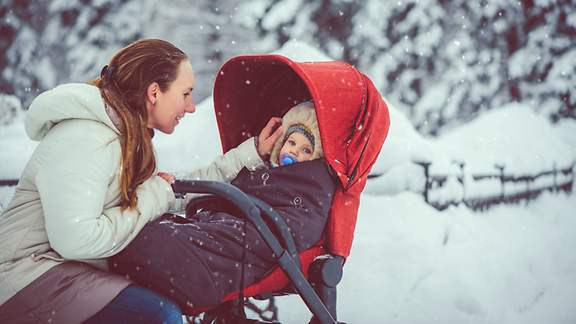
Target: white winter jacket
(66,205)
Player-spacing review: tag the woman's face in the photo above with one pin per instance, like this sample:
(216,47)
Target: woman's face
(298,146)
(165,109)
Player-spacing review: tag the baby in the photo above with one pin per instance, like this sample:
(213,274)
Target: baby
(301,139)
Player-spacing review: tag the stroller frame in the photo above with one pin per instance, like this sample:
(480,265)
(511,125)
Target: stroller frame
(320,298)
(353,121)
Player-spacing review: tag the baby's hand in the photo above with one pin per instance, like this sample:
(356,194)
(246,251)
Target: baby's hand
(268,136)
(167,176)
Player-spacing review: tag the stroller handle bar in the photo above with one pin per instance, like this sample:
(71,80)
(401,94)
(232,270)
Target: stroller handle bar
(280,225)
(240,202)
(289,263)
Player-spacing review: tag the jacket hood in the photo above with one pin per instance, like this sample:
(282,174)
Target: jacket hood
(67,101)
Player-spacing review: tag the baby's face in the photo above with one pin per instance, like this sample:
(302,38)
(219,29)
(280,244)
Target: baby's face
(298,146)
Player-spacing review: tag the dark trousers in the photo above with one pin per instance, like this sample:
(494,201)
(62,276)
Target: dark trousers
(136,304)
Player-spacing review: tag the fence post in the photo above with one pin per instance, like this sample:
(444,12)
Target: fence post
(572,172)
(8,182)
(426,166)
(555,170)
(528,194)
(461,179)
(501,168)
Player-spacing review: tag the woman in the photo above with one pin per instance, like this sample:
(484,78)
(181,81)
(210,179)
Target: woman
(91,186)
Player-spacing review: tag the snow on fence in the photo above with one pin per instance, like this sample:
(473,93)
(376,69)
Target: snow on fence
(482,191)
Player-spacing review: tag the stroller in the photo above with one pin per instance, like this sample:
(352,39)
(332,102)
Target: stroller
(353,121)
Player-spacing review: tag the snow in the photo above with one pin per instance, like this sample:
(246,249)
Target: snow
(571,19)
(495,138)
(400,178)
(249,15)
(411,263)
(512,136)
(563,72)
(182,150)
(301,51)
(521,63)
(16,150)
(10,108)
(281,13)
(566,130)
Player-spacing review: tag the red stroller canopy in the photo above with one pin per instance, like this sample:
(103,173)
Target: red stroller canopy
(352,117)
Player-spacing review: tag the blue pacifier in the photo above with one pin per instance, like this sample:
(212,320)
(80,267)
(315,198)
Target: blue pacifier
(287,159)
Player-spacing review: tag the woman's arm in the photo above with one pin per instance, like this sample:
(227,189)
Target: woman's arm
(80,162)
(226,167)
(249,154)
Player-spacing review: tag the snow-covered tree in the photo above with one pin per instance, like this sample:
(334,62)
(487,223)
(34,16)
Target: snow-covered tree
(45,43)
(10,108)
(48,42)
(543,68)
(207,32)
(442,62)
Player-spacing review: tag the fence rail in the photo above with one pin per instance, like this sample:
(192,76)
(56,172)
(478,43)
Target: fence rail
(531,191)
(8,182)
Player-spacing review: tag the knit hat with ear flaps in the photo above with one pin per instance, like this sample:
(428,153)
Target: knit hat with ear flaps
(303,114)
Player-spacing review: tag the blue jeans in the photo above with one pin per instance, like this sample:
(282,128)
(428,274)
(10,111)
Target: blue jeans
(136,304)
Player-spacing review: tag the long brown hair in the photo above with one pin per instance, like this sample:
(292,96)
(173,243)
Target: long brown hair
(123,84)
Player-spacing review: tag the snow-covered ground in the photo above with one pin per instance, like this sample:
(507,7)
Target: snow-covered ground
(411,263)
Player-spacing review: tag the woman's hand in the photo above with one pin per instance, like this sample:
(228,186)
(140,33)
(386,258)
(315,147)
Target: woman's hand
(167,176)
(268,136)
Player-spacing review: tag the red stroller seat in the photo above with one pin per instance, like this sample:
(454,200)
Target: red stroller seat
(353,120)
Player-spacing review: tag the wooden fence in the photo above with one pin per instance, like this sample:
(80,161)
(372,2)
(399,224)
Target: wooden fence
(512,188)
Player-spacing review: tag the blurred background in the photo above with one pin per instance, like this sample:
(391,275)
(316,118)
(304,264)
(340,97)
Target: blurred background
(441,63)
